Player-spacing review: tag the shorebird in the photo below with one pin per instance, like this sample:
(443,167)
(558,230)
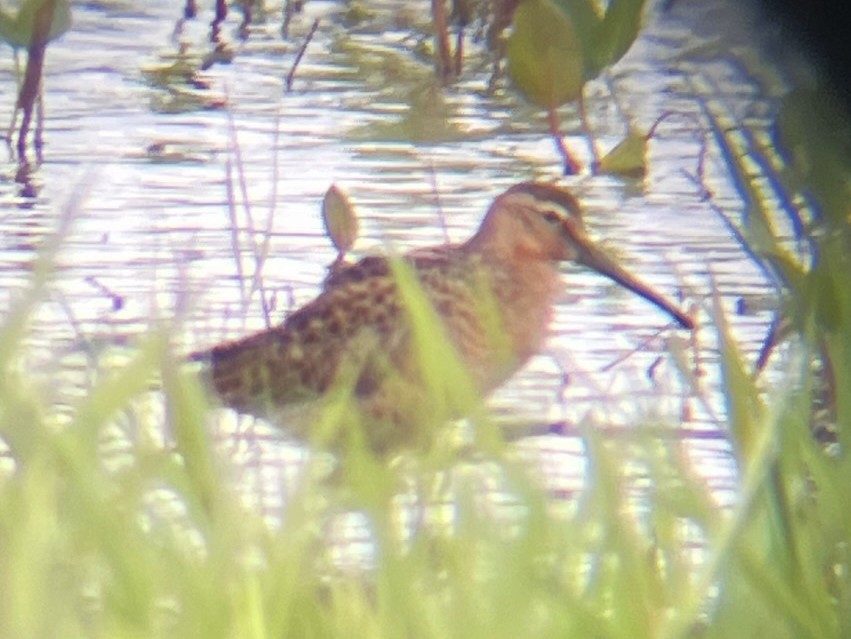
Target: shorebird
(491,297)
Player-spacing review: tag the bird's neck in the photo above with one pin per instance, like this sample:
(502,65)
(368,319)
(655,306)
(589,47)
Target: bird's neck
(524,291)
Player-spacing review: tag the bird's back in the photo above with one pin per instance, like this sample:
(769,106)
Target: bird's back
(358,334)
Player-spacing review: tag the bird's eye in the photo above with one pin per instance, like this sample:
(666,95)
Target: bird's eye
(552,217)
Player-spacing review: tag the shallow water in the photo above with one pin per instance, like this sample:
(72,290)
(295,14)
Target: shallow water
(152,233)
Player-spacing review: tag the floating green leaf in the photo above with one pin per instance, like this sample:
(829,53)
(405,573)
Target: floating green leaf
(627,157)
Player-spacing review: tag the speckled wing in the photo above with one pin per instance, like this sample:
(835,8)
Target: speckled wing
(357,334)
(303,358)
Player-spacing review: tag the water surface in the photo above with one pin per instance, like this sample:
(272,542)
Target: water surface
(153,236)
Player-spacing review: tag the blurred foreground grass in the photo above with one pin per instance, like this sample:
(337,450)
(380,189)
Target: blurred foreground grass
(158,544)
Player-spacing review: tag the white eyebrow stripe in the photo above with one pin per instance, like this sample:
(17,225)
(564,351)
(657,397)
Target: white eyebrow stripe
(527,200)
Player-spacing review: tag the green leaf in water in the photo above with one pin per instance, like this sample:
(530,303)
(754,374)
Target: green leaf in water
(627,157)
(545,54)
(340,218)
(605,38)
(586,19)
(614,35)
(17,29)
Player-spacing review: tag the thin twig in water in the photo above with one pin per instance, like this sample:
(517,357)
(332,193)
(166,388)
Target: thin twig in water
(642,345)
(700,137)
(459,52)
(115,299)
(441,33)
(240,169)
(246,203)
(567,429)
(432,174)
(589,135)
(234,229)
(300,54)
(262,252)
(571,167)
(31,88)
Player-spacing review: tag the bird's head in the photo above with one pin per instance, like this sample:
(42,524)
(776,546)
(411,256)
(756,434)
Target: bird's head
(543,222)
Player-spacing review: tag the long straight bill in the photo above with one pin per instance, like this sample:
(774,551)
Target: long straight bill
(595,258)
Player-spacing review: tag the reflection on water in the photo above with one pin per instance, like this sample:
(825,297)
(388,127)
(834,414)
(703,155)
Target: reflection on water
(155,231)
